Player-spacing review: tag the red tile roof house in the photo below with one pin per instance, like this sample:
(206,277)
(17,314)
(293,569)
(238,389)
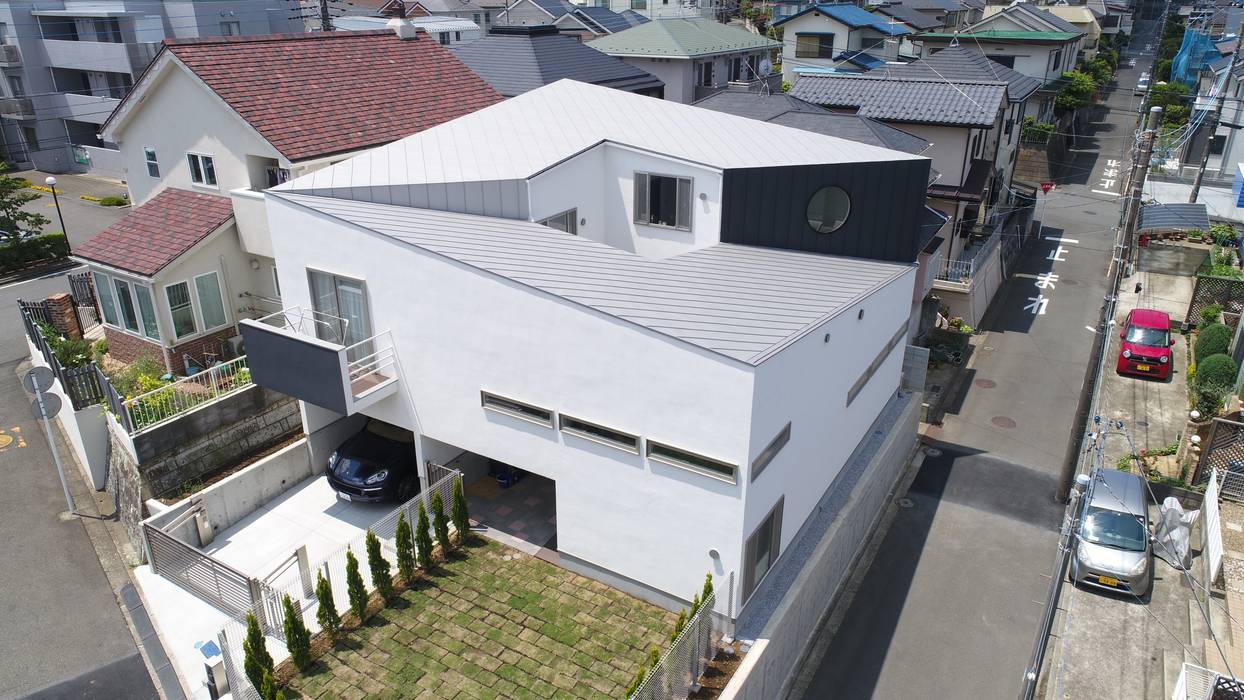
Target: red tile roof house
(209,126)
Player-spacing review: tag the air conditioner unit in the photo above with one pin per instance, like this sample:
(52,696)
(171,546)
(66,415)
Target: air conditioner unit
(234,347)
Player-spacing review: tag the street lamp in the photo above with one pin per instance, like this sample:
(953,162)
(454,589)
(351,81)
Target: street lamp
(51,182)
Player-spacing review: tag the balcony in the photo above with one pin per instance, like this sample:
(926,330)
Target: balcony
(10,56)
(17,108)
(252,221)
(285,354)
(106,56)
(84,108)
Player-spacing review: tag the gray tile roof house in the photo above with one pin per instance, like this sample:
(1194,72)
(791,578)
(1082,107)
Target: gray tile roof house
(1033,18)
(516,59)
(682,38)
(958,63)
(909,16)
(911,100)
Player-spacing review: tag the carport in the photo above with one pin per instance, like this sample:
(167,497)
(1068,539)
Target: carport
(517,504)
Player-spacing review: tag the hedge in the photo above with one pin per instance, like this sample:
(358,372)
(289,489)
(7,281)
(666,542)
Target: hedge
(1213,339)
(47,247)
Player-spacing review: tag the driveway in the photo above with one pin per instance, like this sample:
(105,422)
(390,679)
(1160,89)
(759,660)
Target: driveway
(951,602)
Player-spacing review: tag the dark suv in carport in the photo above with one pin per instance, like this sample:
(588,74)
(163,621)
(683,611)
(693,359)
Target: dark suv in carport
(375,464)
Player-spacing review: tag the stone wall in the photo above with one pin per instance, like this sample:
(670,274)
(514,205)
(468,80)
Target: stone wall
(125,485)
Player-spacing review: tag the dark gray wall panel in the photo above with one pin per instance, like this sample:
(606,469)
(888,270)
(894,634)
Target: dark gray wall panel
(300,369)
(768,207)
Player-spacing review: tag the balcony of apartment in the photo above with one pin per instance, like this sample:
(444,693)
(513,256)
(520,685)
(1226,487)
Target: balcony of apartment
(105,56)
(10,56)
(302,353)
(17,107)
(93,109)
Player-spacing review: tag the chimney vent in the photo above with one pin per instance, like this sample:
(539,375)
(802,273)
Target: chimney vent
(403,29)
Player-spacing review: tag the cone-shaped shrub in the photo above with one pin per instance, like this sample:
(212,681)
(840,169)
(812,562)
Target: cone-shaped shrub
(695,603)
(679,624)
(708,588)
(267,686)
(381,572)
(423,539)
(639,680)
(405,548)
(257,660)
(440,524)
(326,615)
(461,518)
(297,637)
(355,587)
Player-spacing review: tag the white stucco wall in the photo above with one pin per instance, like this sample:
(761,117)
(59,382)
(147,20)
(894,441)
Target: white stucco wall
(458,331)
(600,184)
(947,147)
(219,254)
(677,74)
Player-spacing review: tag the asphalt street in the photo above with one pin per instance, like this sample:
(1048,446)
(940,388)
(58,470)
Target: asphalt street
(63,635)
(951,602)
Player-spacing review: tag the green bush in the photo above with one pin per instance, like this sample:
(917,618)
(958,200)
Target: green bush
(1034,130)
(98,350)
(1210,313)
(405,548)
(381,576)
(140,376)
(355,587)
(462,520)
(33,250)
(1076,93)
(1223,234)
(1214,339)
(1215,371)
(1210,399)
(70,352)
(423,539)
(440,524)
(297,636)
(1221,263)
(326,614)
(113,202)
(256,660)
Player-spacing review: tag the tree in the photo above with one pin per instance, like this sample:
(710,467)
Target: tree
(267,687)
(297,636)
(440,524)
(1173,99)
(679,624)
(1077,93)
(15,222)
(1213,339)
(381,575)
(423,539)
(461,518)
(708,588)
(405,548)
(257,661)
(326,615)
(355,587)
(1100,70)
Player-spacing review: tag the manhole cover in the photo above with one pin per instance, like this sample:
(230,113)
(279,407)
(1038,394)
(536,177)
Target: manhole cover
(905,502)
(987,348)
(1002,421)
(985,383)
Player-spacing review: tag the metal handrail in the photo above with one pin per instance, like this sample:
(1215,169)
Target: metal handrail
(302,316)
(172,399)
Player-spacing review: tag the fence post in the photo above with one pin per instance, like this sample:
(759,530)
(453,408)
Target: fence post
(304,572)
(257,601)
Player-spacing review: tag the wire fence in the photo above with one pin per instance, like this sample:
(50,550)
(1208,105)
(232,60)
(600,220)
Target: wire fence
(676,675)
(169,401)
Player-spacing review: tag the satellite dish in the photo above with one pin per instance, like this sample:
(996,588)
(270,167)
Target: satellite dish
(766,67)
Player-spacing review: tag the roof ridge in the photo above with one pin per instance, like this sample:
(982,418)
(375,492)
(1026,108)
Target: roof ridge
(269,38)
(890,77)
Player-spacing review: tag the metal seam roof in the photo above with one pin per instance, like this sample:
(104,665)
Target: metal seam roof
(743,302)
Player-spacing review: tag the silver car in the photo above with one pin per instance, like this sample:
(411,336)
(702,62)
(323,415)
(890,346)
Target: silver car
(1113,548)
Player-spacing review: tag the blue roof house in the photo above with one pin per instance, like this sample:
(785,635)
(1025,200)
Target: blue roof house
(838,38)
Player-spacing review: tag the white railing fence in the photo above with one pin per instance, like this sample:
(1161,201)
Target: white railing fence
(166,402)
(310,322)
(1211,530)
(964,267)
(677,673)
(375,367)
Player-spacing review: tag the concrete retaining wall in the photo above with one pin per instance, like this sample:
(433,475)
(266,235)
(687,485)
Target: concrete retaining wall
(86,431)
(777,655)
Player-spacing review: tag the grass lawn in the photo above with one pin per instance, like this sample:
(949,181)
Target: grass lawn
(495,623)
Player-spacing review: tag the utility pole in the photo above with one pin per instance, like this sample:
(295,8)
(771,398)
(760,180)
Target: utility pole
(1140,171)
(326,20)
(1217,115)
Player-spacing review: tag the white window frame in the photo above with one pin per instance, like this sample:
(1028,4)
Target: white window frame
(96,277)
(193,316)
(598,439)
(109,286)
(155,312)
(643,216)
(153,161)
(203,161)
(198,303)
(129,292)
(495,402)
(276,282)
(673,461)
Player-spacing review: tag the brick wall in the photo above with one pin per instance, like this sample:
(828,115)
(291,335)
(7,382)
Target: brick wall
(64,315)
(201,349)
(127,348)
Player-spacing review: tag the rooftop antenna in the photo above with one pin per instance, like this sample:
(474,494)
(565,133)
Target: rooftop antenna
(954,41)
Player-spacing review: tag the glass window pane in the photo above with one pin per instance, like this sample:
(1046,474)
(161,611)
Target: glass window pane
(211,306)
(126,303)
(106,303)
(324,301)
(209,170)
(641,198)
(196,173)
(180,309)
(684,203)
(146,311)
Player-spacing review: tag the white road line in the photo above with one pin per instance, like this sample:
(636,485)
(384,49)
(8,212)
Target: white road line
(1112,194)
(1060,239)
(44,277)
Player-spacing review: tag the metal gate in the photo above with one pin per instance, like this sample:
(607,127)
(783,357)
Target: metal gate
(84,301)
(1225,451)
(213,581)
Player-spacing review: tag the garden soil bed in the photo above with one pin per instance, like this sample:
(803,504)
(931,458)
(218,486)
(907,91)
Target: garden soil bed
(218,475)
(720,670)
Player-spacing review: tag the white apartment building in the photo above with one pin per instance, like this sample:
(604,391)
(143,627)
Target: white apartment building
(686,320)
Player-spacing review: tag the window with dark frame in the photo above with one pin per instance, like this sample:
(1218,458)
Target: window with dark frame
(566,221)
(770,451)
(599,433)
(814,46)
(180,308)
(153,165)
(691,461)
(517,409)
(762,549)
(663,200)
(202,169)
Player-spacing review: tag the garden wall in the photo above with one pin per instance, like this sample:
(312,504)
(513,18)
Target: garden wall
(85,430)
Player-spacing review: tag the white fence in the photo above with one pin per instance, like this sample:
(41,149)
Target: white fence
(1211,524)
(169,401)
(1198,683)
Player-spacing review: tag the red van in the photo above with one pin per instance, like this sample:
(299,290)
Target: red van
(1146,346)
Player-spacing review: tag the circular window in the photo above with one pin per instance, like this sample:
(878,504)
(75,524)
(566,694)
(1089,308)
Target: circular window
(828,209)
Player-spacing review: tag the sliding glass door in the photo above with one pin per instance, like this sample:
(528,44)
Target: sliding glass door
(341,306)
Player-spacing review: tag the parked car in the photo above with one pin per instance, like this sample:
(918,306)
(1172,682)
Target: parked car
(1146,347)
(1142,85)
(1113,548)
(1131,63)
(375,464)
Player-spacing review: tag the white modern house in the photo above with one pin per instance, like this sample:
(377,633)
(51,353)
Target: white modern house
(837,37)
(686,320)
(197,151)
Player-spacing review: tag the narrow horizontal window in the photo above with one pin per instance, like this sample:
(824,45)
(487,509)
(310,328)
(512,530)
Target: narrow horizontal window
(876,363)
(692,461)
(518,409)
(770,451)
(601,434)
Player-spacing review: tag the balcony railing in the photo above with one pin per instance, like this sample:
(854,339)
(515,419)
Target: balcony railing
(965,267)
(169,401)
(17,107)
(299,352)
(10,56)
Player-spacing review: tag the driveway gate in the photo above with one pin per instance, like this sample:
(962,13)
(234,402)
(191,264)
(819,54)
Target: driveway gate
(215,582)
(1225,451)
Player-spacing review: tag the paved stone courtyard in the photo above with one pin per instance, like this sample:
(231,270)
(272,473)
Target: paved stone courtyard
(494,624)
